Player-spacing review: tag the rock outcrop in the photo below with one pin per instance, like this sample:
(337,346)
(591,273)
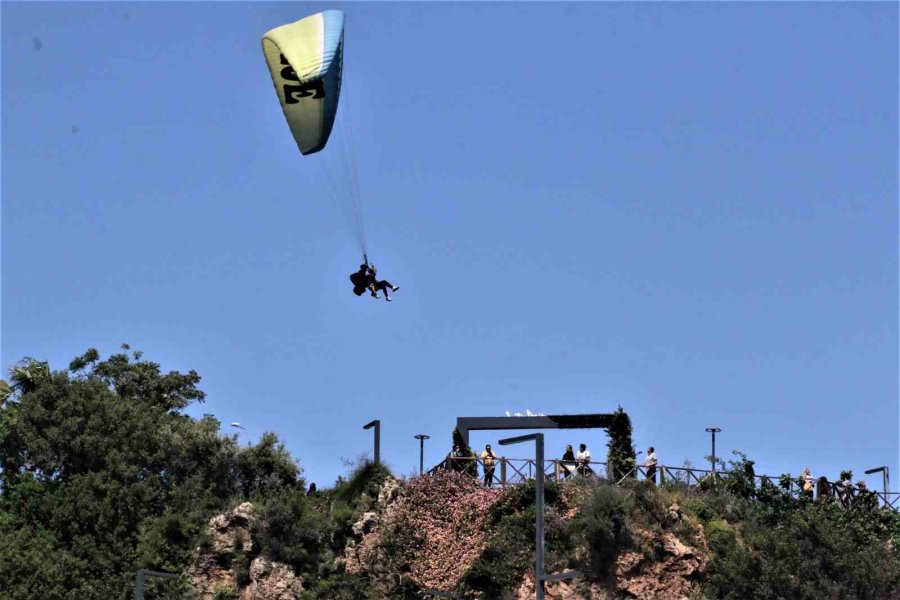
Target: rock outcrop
(270,580)
(212,567)
(438,520)
(672,574)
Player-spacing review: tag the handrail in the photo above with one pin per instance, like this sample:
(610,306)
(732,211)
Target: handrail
(512,471)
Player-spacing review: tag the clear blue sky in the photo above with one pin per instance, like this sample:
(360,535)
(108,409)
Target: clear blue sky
(686,209)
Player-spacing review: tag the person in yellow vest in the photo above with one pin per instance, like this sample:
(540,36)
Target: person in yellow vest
(487,460)
(807,483)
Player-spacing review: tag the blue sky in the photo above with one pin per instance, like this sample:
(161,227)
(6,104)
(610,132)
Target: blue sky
(686,209)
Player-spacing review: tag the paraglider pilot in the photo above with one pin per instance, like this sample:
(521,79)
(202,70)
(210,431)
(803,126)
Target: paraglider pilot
(366,279)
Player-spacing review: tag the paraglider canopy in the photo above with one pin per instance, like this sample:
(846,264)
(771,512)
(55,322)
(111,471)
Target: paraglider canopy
(305,59)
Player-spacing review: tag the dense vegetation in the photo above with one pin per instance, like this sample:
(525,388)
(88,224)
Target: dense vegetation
(103,474)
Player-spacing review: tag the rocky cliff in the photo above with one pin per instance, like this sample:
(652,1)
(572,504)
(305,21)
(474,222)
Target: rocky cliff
(439,533)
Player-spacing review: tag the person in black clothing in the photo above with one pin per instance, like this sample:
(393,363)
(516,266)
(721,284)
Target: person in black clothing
(455,459)
(366,279)
(568,461)
(360,280)
(380,286)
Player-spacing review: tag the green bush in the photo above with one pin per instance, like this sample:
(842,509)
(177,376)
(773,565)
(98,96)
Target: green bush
(341,519)
(165,542)
(721,538)
(646,506)
(241,565)
(740,478)
(340,586)
(715,504)
(601,524)
(363,485)
(814,552)
(731,569)
(510,551)
(225,591)
(290,531)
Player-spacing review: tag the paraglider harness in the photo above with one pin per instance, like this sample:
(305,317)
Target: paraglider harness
(363,279)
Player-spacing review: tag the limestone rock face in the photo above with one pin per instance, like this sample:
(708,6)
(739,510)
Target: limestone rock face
(272,581)
(212,569)
(674,574)
(230,528)
(366,523)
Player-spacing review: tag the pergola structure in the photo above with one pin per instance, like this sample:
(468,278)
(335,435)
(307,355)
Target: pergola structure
(588,421)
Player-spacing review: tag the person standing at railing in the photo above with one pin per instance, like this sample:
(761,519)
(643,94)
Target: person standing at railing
(823,490)
(807,483)
(456,459)
(568,462)
(865,499)
(487,461)
(650,462)
(583,460)
(845,489)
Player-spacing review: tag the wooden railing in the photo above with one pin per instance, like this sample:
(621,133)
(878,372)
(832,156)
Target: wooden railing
(503,471)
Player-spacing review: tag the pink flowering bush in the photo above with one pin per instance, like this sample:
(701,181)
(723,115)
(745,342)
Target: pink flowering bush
(431,533)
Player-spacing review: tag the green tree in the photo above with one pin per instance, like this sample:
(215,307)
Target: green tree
(102,474)
(621,456)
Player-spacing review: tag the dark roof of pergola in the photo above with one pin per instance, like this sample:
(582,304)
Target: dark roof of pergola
(584,421)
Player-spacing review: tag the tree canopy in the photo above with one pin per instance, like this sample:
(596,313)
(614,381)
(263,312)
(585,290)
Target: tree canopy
(103,474)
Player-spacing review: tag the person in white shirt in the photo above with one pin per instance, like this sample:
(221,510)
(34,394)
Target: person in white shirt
(583,458)
(650,462)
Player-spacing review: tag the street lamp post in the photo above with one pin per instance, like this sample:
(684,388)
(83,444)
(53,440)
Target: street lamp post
(377,425)
(539,576)
(422,437)
(713,431)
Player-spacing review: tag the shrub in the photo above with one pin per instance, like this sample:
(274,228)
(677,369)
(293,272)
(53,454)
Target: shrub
(241,565)
(601,524)
(225,591)
(740,478)
(363,485)
(290,531)
(509,550)
(340,586)
(814,551)
(647,506)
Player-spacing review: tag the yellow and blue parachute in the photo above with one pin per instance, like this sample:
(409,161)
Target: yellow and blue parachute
(305,59)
